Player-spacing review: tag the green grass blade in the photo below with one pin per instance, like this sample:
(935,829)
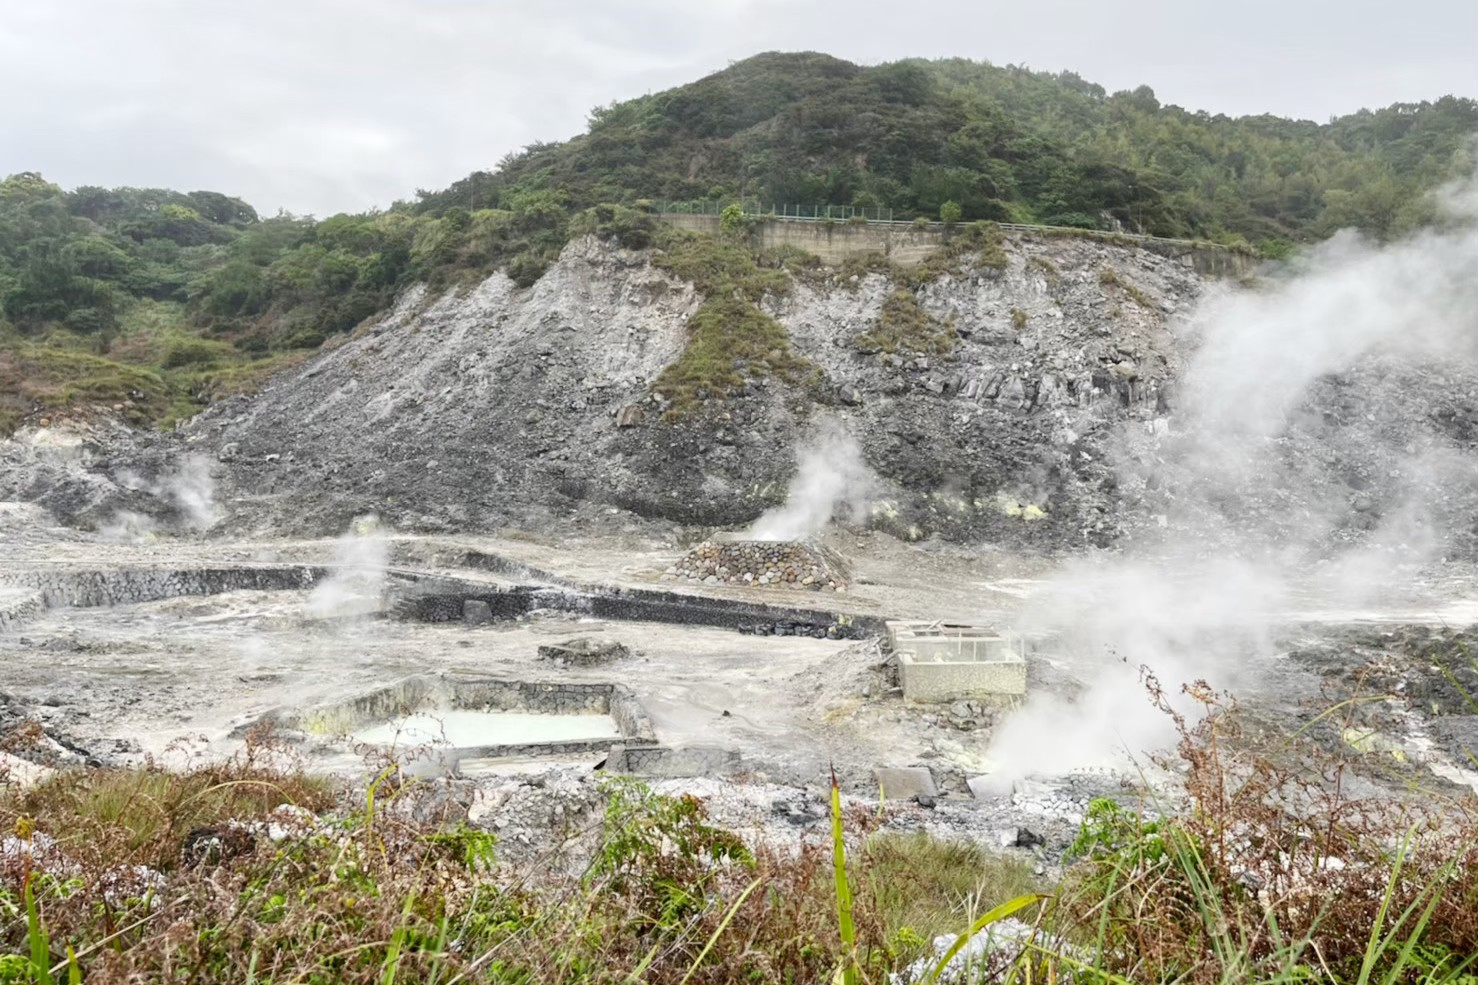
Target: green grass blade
(718,931)
(40,946)
(999,913)
(391,966)
(843,889)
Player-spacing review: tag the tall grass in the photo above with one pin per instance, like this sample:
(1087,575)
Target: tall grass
(1268,872)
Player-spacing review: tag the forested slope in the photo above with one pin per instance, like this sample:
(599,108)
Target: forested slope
(154,302)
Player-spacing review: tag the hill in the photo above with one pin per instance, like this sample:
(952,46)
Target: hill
(1005,143)
(152,303)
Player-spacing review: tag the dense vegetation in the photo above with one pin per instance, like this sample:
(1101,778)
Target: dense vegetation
(1004,143)
(156,301)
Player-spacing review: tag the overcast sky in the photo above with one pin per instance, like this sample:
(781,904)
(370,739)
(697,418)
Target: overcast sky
(319,106)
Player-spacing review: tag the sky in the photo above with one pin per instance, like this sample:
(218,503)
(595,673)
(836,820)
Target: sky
(322,106)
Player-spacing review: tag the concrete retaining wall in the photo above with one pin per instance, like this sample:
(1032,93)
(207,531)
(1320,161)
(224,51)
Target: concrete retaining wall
(429,692)
(833,242)
(938,680)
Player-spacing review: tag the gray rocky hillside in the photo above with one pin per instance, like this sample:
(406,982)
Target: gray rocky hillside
(1028,401)
(979,409)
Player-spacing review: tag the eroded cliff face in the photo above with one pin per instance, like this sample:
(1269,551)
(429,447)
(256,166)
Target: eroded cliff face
(494,405)
(1039,412)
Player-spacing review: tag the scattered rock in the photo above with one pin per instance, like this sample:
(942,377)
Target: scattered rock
(216,844)
(1026,838)
(584,651)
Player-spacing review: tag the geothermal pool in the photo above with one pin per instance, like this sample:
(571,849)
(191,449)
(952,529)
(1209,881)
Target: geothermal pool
(466,729)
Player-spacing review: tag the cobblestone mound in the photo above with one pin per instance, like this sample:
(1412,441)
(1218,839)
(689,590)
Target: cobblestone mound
(781,564)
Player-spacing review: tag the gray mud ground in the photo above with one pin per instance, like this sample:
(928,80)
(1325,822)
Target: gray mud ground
(181,677)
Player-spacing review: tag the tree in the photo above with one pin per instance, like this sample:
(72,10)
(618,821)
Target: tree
(949,212)
(731,219)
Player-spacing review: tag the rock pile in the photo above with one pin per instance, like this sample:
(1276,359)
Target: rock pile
(787,564)
(584,651)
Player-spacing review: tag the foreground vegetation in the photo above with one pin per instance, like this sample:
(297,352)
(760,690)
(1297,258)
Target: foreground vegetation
(246,872)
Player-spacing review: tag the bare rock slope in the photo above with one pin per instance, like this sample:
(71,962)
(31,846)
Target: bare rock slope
(495,404)
(1031,404)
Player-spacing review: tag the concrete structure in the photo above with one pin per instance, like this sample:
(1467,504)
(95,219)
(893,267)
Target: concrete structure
(906,243)
(941,661)
(905,782)
(833,241)
(433,692)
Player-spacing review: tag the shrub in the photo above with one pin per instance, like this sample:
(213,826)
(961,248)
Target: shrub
(1110,278)
(194,352)
(731,220)
(949,213)
(904,326)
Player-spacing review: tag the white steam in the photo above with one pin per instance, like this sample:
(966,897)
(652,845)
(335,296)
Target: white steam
(356,583)
(193,490)
(189,488)
(1196,612)
(832,477)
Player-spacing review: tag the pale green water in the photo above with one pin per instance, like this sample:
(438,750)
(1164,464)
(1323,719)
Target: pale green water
(487,728)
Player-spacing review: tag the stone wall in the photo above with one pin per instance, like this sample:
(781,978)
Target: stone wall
(19,606)
(427,692)
(835,241)
(932,681)
(666,761)
(781,564)
(124,585)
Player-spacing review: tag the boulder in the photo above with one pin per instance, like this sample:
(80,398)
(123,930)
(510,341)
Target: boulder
(475,612)
(905,782)
(584,651)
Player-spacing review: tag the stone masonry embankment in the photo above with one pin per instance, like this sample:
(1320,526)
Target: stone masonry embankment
(19,606)
(60,586)
(130,585)
(429,693)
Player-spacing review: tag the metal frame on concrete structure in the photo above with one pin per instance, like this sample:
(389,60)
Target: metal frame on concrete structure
(940,661)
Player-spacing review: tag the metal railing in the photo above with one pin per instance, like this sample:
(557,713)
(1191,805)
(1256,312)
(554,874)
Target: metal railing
(854,213)
(836,213)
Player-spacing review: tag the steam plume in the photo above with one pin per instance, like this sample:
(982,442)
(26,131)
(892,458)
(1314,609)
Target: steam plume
(832,474)
(1192,610)
(357,582)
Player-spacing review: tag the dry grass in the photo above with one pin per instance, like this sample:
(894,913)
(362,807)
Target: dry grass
(1271,871)
(1268,872)
(904,326)
(152,876)
(1110,279)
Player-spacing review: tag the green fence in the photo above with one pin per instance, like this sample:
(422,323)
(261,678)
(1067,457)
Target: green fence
(755,208)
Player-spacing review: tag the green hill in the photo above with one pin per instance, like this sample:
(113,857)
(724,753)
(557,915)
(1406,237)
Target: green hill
(157,301)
